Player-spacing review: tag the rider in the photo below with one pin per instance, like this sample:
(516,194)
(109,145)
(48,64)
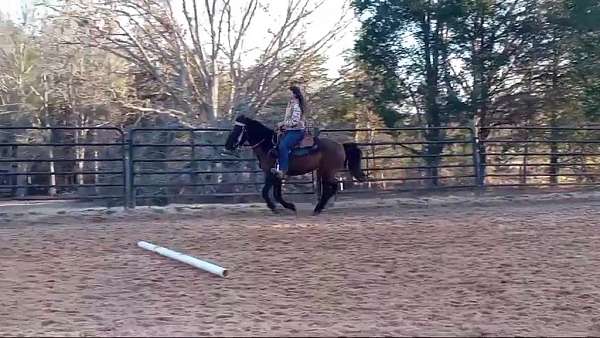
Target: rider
(292,127)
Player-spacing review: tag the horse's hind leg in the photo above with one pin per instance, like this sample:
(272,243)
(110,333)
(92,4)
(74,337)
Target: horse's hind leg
(269,180)
(329,188)
(277,193)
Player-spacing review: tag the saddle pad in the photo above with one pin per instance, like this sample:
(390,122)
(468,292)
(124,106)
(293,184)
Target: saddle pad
(307,142)
(299,152)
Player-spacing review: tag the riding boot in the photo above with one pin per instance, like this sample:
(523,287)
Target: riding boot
(279,174)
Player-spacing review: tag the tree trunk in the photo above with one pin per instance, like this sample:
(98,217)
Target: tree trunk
(214,90)
(553,169)
(80,152)
(371,139)
(96,170)
(482,135)
(523,179)
(586,175)
(433,159)
(432,46)
(480,49)
(52,189)
(22,180)
(194,164)
(232,99)
(19,168)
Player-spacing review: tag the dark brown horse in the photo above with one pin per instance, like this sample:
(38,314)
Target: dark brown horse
(327,157)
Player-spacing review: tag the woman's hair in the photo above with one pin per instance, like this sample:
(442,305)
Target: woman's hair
(298,94)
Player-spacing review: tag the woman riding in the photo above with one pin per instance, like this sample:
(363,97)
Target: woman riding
(293,128)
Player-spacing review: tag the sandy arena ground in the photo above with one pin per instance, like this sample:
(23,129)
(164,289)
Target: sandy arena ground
(485,266)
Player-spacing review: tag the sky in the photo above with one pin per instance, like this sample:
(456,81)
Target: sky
(322,21)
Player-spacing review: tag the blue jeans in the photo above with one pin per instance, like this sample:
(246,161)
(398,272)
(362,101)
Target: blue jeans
(288,141)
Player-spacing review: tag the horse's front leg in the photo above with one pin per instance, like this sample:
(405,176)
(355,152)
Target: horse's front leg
(277,185)
(269,180)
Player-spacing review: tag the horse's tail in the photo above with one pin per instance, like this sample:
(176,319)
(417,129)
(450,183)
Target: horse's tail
(353,159)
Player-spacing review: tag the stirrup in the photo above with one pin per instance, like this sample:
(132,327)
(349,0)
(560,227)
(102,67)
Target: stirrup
(278,173)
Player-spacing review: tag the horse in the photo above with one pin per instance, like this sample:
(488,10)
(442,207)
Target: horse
(325,156)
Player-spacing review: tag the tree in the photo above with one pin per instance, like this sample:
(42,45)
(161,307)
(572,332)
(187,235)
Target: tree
(405,43)
(583,20)
(186,59)
(455,61)
(489,40)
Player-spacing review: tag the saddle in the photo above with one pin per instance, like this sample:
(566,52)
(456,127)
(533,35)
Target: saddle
(307,142)
(307,146)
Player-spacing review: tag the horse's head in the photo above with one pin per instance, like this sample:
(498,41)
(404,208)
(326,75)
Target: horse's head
(238,135)
(246,130)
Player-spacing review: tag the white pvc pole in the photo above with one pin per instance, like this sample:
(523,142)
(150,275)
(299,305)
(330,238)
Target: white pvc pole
(195,262)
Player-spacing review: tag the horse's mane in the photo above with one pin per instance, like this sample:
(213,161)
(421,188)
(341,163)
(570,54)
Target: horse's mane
(255,125)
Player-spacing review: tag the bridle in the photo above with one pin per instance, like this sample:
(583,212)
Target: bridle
(244,130)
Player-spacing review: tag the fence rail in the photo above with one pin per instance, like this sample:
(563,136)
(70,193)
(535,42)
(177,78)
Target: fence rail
(162,165)
(63,163)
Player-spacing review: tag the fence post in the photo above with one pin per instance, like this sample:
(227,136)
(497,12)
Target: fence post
(479,180)
(193,163)
(125,165)
(129,174)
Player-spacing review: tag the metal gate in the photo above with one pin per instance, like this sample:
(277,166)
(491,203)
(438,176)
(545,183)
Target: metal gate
(540,156)
(409,159)
(59,163)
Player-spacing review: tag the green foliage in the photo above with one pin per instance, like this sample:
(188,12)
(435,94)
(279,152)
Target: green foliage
(380,51)
(584,21)
(457,61)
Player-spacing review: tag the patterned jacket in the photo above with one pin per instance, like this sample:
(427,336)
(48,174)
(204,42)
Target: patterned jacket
(293,116)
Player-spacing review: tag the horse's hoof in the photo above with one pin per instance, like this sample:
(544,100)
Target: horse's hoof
(316,213)
(275,211)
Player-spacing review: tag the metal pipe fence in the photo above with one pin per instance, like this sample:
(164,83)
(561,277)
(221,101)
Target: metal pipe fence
(178,165)
(407,159)
(185,165)
(63,163)
(541,156)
